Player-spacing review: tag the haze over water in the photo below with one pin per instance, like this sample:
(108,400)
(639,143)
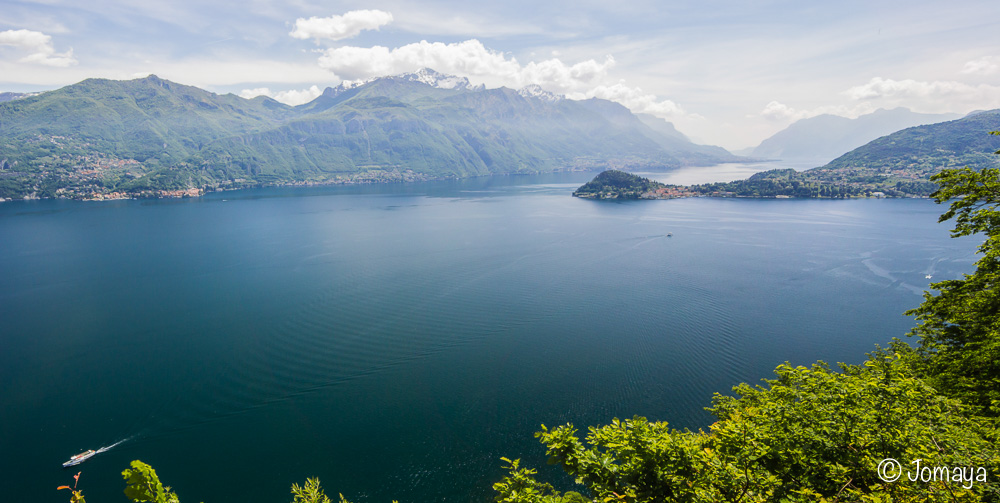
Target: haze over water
(395,340)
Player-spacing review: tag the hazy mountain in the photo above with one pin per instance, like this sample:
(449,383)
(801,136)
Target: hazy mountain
(673,140)
(824,137)
(152,134)
(924,150)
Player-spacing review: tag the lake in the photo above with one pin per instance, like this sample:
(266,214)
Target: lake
(397,340)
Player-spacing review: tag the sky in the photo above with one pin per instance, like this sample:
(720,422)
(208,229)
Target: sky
(724,72)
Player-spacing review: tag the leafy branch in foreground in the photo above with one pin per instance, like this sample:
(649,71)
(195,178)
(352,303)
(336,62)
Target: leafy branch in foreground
(311,492)
(812,434)
(142,484)
(77,493)
(959,330)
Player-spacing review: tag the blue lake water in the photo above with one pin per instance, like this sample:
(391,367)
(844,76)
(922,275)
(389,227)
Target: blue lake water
(395,341)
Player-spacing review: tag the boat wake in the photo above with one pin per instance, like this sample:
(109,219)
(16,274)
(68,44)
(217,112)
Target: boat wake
(112,446)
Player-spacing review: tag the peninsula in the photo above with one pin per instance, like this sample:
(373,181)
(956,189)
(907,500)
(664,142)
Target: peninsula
(896,165)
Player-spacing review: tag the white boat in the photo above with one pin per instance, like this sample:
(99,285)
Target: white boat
(80,458)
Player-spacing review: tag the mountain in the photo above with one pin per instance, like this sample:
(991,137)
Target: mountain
(673,140)
(146,136)
(824,137)
(536,91)
(925,150)
(896,165)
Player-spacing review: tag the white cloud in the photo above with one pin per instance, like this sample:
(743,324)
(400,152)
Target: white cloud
(291,97)
(468,59)
(776,111)
(919,96)
(634,99)
(298,97)
(39,45)
(340,27)
(255,92)
(923,96)
(888,88)
(981,66)
(471,59)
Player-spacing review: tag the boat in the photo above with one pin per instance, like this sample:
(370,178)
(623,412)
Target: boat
(80,458)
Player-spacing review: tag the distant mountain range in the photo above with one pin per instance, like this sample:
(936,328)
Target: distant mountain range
(105,138)
(825,137)
(896,165)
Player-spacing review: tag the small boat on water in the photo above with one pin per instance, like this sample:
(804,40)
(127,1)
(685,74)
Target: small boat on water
(80,458)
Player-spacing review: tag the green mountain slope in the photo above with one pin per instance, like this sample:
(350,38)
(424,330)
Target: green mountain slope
(145,136)
(149,120)
(924,150)
(897,165)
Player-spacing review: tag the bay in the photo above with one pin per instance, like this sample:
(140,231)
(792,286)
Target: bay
(397,340)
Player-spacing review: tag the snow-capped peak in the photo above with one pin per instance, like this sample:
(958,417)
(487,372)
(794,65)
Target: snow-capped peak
(536,91)
(439,80)
(424,76)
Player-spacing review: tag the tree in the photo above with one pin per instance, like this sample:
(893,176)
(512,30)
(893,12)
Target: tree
(142,484)
(959,330)
(812,434)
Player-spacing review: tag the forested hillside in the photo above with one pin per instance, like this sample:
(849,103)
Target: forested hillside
(152,137)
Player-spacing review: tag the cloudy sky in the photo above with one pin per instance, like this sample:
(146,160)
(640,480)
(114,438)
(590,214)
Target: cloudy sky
(724,72)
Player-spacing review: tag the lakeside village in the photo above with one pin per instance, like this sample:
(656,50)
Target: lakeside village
(72,170)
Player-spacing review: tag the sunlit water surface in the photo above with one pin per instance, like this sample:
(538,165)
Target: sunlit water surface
(396,341)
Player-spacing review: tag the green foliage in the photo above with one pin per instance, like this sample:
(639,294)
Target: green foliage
(959,327)
(786,182)
(809,435)
(311,492)
(821,182)
(142,484)
(615,184)
(77,496)
(520,485)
